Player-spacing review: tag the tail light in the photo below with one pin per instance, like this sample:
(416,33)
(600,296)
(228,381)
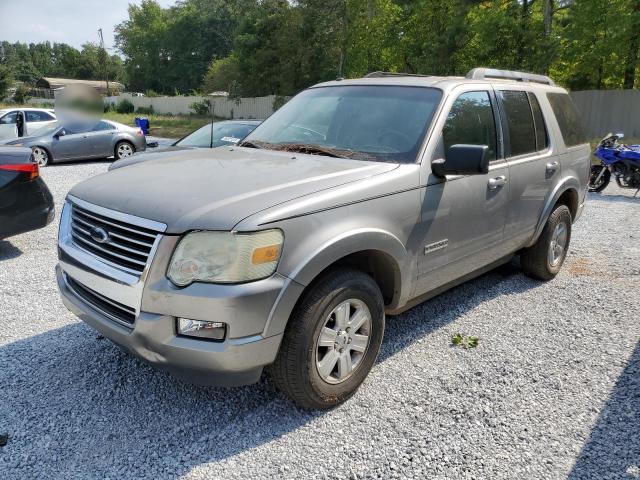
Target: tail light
(139,133)
(30,168)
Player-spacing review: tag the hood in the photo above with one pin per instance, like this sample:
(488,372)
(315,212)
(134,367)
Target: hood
(153,154)
(205,189)
(22,140)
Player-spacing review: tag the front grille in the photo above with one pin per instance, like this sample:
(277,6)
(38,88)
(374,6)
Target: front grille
(127,246)
(114,310)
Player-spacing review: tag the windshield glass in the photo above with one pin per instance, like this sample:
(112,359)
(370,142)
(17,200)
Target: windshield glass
(380,123)
(223,134)
(48,130)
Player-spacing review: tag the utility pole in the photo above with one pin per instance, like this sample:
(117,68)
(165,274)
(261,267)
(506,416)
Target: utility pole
(106,60)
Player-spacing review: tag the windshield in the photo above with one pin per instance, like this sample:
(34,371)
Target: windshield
(48,130)
(380,123)
(223,134)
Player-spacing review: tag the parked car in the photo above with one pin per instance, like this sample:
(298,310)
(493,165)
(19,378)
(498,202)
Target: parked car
(212,135)
(358,198)
(82,141)
(25,201)
(22,122)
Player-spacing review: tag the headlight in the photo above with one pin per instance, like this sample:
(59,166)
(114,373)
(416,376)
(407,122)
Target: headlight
(225,257)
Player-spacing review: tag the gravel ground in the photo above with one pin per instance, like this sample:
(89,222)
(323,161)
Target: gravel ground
(551,391)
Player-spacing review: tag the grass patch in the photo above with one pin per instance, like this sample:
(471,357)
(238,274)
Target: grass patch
(170,126)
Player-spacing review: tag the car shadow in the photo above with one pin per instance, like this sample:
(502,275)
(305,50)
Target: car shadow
(603,197)
(8,250)
(91,404)
(611,451)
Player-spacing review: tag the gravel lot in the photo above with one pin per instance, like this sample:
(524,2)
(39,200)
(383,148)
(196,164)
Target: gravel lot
(552,390)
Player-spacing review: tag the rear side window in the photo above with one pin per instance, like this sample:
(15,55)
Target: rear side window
(542,139)
(38,116)
(471,122)
(568,119)
(520,126)
(102,125)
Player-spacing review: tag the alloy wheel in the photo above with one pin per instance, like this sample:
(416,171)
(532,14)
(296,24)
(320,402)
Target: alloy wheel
(124,150)
(343,340)
(558,244)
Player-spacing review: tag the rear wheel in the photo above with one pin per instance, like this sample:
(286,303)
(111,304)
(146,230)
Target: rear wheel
(331,341)
(124,149)
(544,259)
(599,179)
(40,156)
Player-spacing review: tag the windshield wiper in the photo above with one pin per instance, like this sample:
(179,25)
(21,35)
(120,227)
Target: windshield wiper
(309,149)
(255,144)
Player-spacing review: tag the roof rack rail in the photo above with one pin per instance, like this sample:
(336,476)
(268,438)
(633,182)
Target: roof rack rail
(492,73)
(391,74)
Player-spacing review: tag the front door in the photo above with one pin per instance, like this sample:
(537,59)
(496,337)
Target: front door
(72,145)
(463,216)
(8,129)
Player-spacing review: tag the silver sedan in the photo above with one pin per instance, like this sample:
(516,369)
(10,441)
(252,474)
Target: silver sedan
(83,141)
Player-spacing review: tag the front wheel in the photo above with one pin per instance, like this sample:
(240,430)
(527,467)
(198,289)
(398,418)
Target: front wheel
(544,259)
(124,150)
(40,156)
(599,179)
(331,341)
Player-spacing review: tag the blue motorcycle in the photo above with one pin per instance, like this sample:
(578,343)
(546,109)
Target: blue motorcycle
(621,161)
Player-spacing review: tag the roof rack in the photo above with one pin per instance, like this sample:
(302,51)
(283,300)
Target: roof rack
(489,73)
(391,74)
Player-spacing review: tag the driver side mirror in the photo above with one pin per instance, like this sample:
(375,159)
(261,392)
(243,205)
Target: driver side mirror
(462,160)
(61,133)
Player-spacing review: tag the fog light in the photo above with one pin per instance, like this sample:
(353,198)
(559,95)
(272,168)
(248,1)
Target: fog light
(201,329)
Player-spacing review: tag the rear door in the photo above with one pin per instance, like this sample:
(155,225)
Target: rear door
(8,128)
(534,163)
(101,139)
(463,216)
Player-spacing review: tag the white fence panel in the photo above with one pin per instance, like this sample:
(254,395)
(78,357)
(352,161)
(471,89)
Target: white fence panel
(258,107)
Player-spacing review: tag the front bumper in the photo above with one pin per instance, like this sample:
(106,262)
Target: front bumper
(153,338)
(153,304)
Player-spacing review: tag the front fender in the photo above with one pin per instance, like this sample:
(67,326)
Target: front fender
(307,268)
(568,183)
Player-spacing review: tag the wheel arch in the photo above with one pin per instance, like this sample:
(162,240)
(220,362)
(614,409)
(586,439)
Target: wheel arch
(565,193)
(384,258)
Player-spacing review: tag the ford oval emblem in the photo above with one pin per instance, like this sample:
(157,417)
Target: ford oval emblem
(99,235)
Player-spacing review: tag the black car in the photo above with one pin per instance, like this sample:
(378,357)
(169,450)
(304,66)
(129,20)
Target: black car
(212,135)
(25,201)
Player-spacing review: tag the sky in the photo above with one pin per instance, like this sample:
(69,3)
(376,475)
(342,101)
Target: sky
(65,21)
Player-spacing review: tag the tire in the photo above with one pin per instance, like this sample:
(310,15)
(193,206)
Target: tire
(41,156)
(123,149)
(604,180)
(539,261)
(297,369)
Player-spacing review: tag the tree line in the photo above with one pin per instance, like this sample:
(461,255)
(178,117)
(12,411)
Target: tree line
(29,62)
(262,47)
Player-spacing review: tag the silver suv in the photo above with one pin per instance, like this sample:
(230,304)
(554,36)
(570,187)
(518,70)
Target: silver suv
(357,199)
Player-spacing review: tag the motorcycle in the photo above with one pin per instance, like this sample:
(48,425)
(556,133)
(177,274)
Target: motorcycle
(621,161)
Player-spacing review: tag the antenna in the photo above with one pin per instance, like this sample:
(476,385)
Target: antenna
(106,59)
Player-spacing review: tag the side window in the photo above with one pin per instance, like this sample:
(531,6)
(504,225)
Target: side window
(542,139)
(9,118)
(471,122)
(34,116)
(522,132)
(101,126)
(568,119)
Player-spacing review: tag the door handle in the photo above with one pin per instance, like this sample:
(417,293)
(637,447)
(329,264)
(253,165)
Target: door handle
(552,167)
(496,182)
